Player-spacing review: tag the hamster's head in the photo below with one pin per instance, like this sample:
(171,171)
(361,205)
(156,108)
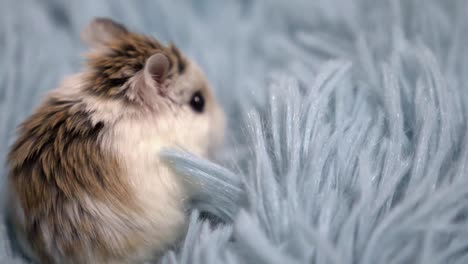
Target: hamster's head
(149,91)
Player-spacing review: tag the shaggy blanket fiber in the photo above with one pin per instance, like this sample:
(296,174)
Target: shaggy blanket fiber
(348,119)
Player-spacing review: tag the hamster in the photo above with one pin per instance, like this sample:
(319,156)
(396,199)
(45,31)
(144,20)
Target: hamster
(86,184)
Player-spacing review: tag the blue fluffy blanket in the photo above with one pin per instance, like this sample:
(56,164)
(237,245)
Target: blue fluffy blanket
(348,120)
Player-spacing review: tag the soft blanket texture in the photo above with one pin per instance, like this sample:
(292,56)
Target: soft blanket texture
(347,139)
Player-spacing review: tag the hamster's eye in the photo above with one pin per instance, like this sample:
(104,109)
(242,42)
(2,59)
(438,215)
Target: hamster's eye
(197,102)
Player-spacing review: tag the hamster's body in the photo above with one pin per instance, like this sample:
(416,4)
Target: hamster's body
(86,183)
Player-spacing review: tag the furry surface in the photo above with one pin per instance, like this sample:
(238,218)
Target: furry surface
(348,121)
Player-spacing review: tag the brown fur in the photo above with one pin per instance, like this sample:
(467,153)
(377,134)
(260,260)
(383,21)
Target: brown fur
(123,58)
(57,162)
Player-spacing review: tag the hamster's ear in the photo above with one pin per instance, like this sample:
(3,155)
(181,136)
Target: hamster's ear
(156,69)
(150,80)
(102,30)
